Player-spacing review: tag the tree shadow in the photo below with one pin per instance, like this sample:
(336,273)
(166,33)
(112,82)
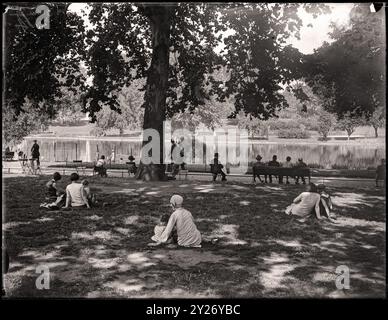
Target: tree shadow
(260,252)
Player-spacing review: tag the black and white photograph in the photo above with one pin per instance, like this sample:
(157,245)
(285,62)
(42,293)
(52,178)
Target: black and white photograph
(193,150)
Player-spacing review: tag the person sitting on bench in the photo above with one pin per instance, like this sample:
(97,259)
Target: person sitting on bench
(257,164)
(131,165)
(217,168)
(287,164)
(274,163)
(300,164)
(100,166)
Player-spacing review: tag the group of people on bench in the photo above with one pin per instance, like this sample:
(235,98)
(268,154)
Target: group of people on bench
(275,163)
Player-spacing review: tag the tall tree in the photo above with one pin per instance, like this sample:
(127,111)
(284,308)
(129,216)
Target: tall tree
(348,73)
(377,119)
(38,62)
(131,41)
(255,55)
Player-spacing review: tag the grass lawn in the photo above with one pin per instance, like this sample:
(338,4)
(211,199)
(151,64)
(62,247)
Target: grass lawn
(103,252)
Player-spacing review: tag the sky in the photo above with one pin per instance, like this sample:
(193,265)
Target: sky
(310,37)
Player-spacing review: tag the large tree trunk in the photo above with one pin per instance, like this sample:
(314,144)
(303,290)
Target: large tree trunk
(156,87)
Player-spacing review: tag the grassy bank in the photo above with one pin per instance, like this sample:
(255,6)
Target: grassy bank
(103,252)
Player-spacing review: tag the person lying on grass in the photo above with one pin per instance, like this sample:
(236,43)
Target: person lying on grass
(187,232)
(75,195)
(303,205)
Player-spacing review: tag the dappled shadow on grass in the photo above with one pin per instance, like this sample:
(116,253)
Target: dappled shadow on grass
(260,252)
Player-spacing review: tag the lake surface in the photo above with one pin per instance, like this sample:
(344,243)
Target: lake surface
(360,156)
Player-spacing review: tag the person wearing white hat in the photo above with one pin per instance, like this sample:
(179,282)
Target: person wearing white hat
(187,232)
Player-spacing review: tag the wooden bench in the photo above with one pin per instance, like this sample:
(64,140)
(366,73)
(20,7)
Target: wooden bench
(8,156)
(281,171)
(78,165)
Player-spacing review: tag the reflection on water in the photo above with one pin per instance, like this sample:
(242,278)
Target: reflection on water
(326,156)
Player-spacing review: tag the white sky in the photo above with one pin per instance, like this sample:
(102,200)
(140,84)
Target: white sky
(310,37)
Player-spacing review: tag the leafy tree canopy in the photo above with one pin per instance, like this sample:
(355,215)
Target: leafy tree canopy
(349,72)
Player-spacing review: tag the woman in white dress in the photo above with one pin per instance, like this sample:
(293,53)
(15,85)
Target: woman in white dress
(187,232)
(303,205)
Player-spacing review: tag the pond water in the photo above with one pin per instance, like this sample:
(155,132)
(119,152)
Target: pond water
(341,155)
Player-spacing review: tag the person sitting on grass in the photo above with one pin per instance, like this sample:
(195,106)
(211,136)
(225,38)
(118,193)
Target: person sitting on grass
(55,198)
(380,173)
(326,205)
(303,205)
(52,189)
(100,166)
(160,227)
(187,232)
(91,197)
(75,197)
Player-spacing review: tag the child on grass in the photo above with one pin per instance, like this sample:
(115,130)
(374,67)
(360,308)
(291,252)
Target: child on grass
(326,205)
(159,228)
(89,196)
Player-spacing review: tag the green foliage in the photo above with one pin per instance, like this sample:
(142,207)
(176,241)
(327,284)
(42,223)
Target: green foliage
(293,133)
(255,127)
(349,122)
(279,124)
(130,115)
(325,123)
(348,73)
(15,128)
(377,119)
(39,62)
(68,108)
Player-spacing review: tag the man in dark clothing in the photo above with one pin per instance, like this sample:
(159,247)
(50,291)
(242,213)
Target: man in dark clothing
(217,168)
(300,164)
(274,163)
(35,154)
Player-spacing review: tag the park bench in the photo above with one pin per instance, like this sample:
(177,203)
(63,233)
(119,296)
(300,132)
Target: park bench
(8,156)
(79,166)
(281,171)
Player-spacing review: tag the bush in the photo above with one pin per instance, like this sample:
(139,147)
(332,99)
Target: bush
(283,124)
(293,133)
(311,123)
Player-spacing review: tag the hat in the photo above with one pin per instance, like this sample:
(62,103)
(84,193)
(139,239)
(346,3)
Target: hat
(176,200)
(300,159)
(259,157)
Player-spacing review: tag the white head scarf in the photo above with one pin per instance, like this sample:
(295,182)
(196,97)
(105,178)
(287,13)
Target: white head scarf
(176,200)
